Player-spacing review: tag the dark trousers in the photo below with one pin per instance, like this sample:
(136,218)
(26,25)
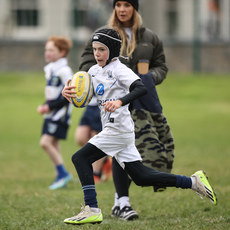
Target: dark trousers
(140,174)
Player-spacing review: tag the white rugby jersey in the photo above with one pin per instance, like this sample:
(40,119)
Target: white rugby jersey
(93,101)
(57,74)
(111,83)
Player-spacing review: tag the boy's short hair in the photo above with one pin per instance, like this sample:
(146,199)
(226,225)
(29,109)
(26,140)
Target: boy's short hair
(61,43)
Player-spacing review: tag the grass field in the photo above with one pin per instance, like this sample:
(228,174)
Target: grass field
(198,110)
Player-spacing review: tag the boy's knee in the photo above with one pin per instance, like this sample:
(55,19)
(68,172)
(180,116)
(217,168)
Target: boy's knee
(44,144)
(77,157)
(74,158)
(81,141)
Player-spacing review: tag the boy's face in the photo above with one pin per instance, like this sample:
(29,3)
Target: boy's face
(101,53)
(52,53)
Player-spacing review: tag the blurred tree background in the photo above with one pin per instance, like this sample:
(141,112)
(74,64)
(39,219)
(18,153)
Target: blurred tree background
(196,33)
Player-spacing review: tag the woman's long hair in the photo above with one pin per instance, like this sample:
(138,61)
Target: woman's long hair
(127,47)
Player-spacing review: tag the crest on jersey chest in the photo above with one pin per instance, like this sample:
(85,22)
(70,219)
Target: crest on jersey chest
(109,75)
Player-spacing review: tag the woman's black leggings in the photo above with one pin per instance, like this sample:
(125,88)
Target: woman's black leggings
(140,174)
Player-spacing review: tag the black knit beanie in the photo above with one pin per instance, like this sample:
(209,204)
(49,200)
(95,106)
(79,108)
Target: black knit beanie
(134,3)
(111,39)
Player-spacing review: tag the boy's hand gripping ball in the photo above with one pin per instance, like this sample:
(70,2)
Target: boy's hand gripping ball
(84,89)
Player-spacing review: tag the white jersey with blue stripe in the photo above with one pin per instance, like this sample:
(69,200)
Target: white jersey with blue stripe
(111,83)
(57,74)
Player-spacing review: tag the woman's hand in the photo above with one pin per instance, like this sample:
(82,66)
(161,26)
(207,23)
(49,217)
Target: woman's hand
(67,91)
(112,106)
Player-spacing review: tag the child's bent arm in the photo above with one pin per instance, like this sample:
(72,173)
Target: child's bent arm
(137,89)
(111,106)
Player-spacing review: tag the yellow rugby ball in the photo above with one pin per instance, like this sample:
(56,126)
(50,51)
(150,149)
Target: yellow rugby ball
(84,89)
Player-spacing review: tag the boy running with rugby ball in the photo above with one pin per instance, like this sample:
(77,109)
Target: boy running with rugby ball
(115,86)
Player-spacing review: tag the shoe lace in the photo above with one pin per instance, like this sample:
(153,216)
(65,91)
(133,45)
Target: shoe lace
(83,211)
(197,188)
(126,209)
